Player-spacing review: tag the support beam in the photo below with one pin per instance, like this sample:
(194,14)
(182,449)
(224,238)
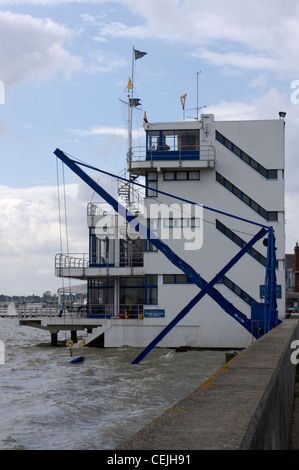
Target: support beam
(74,336)
(54,339)
(199,296)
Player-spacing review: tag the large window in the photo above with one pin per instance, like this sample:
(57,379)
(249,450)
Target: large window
(173,144)
(135,290)
(131,252)
(102,251)
(101,295)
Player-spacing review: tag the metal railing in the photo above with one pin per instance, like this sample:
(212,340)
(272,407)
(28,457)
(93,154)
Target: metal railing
(85,260)
(204,152)
(128,311)
(36,311)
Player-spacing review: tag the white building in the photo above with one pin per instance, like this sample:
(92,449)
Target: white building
(235,167)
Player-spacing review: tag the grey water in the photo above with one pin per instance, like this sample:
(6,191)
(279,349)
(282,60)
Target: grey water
(47,403)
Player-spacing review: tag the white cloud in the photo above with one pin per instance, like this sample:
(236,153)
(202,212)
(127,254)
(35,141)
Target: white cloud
(101,62)
(261,35)
(30,236)
(106,131)
(33,49)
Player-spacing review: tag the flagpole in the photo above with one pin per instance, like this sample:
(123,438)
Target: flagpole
(130,115)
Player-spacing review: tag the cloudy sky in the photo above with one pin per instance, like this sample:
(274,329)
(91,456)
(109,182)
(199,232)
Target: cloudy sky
(64,67)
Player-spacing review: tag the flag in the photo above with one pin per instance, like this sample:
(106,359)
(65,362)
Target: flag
(134,102)
(130,85)
(139,54)
(183,100)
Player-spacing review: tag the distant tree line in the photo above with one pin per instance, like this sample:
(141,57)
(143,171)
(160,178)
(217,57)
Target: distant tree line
(46,297)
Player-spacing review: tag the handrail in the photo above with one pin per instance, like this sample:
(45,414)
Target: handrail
(206,151)
(85,260)
(31,311)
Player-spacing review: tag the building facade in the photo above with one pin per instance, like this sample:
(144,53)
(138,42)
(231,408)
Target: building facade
(234,167)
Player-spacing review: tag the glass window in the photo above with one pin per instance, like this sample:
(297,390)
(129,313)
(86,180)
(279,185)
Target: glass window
(263,171)
(181,278)
(228,143)
(181,175)
(152,140)
(192,140)
(237,151)
(151,183)
(246,199)
(246,158)
(228,185)
(272,216)
(254,206)
(169,141)
(168,278)
(263,213)
(152,289)
(237,192)
(194,175)
(272,174)
(169,175)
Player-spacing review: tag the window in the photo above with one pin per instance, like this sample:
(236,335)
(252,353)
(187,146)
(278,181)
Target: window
(175,279)
(151,289)
(236,289)
(101,295)
(272,174)
(169,175)
(181,175)
(272,215)
(102,251)
(171,140)
(238,240)
(151,183)
(139,290)
(152,140)
(268,174)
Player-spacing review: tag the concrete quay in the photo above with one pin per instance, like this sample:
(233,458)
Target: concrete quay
(247,405)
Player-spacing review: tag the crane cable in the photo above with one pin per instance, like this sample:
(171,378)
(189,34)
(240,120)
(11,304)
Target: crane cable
(60,232)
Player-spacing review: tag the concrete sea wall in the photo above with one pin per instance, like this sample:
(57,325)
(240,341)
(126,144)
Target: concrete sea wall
(247,404)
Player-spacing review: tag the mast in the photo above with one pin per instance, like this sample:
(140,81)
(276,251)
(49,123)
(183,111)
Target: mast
(130,115)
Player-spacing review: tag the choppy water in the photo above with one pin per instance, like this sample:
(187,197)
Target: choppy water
(47,403)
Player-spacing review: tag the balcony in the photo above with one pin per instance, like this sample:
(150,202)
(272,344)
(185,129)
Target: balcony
(144,158)
(85,265)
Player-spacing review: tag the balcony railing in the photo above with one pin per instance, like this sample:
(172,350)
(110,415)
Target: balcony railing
(205,152)
(127,311)
(85,260)
(34,311)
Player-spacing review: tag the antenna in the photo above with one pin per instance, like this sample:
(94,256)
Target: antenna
(197,107)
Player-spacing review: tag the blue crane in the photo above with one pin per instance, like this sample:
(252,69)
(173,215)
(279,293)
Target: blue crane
(270,307)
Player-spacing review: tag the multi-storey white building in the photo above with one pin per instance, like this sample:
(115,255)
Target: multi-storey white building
(234,167)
